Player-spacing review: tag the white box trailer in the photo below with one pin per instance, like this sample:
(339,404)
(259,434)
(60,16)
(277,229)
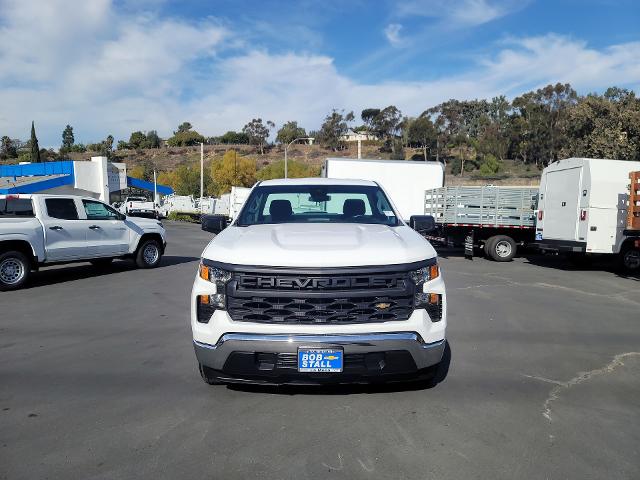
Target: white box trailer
(404,180)
(583,205)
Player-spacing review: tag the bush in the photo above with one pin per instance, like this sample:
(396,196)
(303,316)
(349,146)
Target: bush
(490,166)
(182,217)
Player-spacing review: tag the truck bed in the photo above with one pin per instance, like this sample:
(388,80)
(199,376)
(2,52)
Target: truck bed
(512,207)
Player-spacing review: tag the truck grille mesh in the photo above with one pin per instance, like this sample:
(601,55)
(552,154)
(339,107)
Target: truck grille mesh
(289,310)
(327,299)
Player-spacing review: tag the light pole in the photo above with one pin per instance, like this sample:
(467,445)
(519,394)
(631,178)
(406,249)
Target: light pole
(286,165)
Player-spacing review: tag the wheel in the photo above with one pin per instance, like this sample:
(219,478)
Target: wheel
(15,268)
(208,375)
(149,254)
(487,247)
(502,248)
(630,260)
(101,262)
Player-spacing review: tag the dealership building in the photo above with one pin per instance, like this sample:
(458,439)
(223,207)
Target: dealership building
(98,178)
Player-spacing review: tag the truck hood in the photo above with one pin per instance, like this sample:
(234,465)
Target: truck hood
(318,245)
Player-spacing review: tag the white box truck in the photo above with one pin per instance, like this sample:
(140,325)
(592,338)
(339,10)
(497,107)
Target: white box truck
(582,209)
(404,180)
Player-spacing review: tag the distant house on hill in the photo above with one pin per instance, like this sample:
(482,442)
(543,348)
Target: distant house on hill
(353,136)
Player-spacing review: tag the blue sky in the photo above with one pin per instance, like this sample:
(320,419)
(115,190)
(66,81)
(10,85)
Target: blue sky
(114,66)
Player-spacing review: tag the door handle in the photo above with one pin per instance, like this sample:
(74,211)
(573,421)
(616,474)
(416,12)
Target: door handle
(55,227)
(94,227)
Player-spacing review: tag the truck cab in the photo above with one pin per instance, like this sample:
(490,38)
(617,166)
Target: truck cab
(317,280)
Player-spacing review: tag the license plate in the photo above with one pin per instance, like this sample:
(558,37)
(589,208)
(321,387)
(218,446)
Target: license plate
(320,359)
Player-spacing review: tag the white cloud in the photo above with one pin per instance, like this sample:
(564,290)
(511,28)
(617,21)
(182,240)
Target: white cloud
(392,32)
(111,73)
(100,70)
(459,12)
(306,87)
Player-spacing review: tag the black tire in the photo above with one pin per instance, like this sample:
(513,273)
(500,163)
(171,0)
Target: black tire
(15,269)
(208,375)
(144,256)
(101,262)
(502,248)
(487,246)
(629,260)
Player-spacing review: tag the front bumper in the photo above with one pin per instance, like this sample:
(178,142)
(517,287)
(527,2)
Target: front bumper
(272,358)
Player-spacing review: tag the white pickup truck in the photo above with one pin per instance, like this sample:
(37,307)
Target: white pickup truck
(139,207)
(41,229)
(318,280)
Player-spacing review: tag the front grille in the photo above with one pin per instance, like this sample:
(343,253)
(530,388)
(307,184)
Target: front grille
(327,299)
(320,310)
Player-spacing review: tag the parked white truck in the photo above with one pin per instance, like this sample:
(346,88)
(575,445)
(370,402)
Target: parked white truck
(318,280)
(39,229)
(582,209)
(139,206)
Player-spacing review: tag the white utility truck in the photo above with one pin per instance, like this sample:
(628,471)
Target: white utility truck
(583,208)
(404,180)
(39,229)
(318,280)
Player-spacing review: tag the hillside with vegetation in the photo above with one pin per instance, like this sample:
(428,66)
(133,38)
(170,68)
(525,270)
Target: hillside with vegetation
(479,141)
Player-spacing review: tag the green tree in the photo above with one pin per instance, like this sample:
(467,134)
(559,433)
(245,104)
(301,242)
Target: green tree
(8,148)
(185,137)
(258,132)
(335,125)
(67,139)
(490,166)
(289,132)
(422,133)
(234,138)
(152,140)
(233,170)
(183,127)
(368,116)
(35,149)
(295,169)
(137,140)
(605,126)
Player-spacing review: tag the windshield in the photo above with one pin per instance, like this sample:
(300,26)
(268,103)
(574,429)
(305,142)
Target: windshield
(317,204)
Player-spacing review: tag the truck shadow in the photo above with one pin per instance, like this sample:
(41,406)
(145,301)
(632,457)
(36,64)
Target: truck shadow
(355,389)
(580,264)
(72,272)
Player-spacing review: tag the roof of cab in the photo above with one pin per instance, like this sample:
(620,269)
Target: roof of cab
(317,181)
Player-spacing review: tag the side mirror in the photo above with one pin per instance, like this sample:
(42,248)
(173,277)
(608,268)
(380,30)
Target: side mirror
(422,223)
(213,223)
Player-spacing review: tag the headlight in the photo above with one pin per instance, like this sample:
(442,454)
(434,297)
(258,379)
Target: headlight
(425,274)
(218,277)
(432,302)
(214,275)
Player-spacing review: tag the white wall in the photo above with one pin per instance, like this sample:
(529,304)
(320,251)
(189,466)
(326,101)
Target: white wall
(93,176)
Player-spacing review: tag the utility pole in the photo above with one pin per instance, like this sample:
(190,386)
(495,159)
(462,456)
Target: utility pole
(155,188)
(201,174)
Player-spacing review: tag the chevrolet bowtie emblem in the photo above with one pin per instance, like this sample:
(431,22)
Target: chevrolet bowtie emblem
(382,306)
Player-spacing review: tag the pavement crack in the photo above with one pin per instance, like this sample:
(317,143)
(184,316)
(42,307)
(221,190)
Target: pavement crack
(582,377)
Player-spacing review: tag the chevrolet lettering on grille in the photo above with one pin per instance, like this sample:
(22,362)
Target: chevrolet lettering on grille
(311,283)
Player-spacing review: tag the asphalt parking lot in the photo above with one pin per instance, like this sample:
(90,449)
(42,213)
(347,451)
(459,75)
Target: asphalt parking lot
(98,379)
